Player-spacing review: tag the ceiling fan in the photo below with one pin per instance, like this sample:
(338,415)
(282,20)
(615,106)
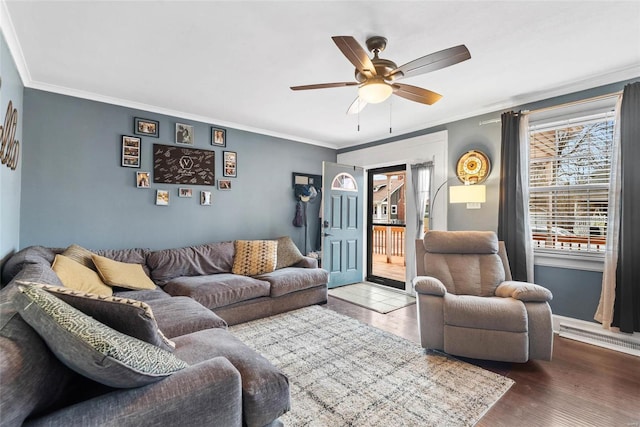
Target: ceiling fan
(376,77)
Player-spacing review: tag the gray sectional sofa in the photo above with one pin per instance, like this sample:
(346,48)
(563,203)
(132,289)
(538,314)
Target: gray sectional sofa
(223,382)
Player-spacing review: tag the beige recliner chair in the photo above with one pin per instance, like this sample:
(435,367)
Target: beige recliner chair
(469,306)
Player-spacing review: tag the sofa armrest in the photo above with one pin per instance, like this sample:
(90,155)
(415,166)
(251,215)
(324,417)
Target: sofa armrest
(429,285)
(207,393)
(523,291)
(307,262)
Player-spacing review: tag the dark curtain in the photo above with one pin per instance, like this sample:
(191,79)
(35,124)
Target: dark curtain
(511,215)
(626,310)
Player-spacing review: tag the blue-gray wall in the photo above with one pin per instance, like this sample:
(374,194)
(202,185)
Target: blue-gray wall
(576,292)
(11,90)
(75,191)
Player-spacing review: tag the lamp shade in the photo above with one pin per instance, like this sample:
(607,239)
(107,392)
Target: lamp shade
(375,91)
(468,194)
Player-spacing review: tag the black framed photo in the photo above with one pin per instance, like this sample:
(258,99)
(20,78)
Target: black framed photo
(146,127)
(130,151)
(185,134)
(218,137)
(230,164)
(142,179)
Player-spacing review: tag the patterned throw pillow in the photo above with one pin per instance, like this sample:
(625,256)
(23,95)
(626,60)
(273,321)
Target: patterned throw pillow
(131,317)
(81,255)
(122,274)
(76,276)
(255,257)
(288,253)
(91,348)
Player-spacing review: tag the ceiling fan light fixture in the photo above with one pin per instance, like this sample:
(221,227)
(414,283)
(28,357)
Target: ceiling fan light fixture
(375,91)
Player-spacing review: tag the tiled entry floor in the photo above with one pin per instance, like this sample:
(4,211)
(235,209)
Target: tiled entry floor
(372,296)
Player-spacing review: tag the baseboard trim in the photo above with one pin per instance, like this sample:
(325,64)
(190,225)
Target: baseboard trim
(592,333)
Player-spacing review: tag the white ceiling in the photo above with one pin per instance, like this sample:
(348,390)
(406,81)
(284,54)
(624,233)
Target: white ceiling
(231,63)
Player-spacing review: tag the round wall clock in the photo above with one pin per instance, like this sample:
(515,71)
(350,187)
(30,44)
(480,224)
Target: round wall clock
(473,167)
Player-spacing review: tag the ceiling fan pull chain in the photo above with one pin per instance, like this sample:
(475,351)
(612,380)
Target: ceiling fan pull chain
(358,114)
(390,108)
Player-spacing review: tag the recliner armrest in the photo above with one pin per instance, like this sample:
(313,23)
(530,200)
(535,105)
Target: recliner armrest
(523,291)
(429,285)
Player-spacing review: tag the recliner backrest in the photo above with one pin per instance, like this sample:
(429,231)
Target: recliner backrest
(466,262)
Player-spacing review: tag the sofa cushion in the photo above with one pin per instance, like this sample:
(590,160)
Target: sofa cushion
(265,389)
(81,255)
(491,313)
(218,290)
(131,317)
(200,260)
(255,257)
(31,255)
(466,274)
(292,279)
(32,379)
(76,276)
(183,315)
(91,348)
(122,274)
(288,253)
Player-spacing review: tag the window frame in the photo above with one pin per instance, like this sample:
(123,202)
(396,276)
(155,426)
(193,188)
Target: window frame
(590,261)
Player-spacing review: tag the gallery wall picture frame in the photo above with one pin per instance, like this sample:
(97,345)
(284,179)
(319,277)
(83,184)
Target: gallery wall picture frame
(185,134)
(162,197)
(185,192)
(230,164)
(146,127)
(130,151)
(205,198)
(143,179)
(218,137)
(224,184)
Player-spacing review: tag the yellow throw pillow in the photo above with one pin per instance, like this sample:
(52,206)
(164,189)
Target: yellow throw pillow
(255,257)
(122,274)
(76,276)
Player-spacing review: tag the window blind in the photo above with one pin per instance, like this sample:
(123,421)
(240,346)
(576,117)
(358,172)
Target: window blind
(569,173)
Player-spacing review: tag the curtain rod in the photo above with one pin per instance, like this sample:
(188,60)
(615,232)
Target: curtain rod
(568,104)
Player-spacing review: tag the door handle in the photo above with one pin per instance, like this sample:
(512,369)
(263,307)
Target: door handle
(326,234)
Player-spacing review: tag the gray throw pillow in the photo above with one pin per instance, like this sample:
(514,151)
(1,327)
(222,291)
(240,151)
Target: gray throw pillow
(288,253)
(91,348)
(131,317)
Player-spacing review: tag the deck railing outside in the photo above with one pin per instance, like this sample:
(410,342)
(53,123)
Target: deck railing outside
(389,240)
(569,243)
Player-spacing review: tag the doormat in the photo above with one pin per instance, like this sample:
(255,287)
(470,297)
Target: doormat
(374,297)
(343,372)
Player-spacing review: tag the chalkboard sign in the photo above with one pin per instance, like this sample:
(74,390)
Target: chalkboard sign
(179,165)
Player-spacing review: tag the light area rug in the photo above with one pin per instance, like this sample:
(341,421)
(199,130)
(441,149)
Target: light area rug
(343,372)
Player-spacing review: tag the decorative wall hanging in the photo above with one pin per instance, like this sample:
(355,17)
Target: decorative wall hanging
(162,197)
(218,137)
(179,165)
(130,151)
(230,164)
(10,149)
(185,192)
(224,184)
(185,134)
(142,179)
(146,127)
(205,198)
(473,167)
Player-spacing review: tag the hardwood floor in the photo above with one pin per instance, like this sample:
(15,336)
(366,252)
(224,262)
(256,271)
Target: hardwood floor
(583,385)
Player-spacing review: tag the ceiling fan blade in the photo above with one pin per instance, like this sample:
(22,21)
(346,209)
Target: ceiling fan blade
(357,106)
(355,54)
(324,85)
(431,62)
(417,94)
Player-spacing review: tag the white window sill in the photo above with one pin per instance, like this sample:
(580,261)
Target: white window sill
(588,262)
